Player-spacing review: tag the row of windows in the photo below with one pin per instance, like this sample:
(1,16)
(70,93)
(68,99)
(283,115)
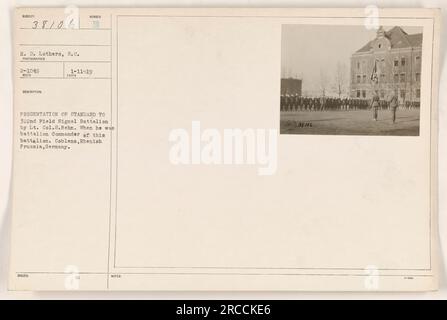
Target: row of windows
(396,78)
(363,95)
(402,93)
(402,61)
(402,77)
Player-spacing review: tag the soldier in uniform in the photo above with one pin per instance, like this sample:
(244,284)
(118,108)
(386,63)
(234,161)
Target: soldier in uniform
(295,102)
(375,105)
(290,102)
(287,102)
(322,103)
(393,106)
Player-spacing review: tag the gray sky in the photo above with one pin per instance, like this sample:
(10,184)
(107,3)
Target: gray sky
(307,49)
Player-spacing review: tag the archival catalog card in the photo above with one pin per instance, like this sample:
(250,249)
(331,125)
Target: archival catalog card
(225,149)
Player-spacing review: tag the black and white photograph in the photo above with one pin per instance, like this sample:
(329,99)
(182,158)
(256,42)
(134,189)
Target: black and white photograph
(350,80)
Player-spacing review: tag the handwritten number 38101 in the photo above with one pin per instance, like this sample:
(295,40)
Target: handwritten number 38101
(47,24)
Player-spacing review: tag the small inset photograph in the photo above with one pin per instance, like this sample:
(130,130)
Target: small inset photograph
(350,80)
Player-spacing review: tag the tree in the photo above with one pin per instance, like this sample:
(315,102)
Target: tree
(341,78)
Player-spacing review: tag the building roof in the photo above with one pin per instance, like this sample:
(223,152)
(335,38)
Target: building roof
(398,38)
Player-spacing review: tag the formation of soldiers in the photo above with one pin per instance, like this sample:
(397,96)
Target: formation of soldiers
(298,103)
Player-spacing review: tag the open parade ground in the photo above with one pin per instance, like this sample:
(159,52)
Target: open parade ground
(356,122)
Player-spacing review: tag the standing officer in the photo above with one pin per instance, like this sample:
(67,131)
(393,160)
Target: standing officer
(393,106)
(375,105)
(322,103)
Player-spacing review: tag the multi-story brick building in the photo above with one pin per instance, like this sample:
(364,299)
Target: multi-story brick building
(397,56)
(291,86)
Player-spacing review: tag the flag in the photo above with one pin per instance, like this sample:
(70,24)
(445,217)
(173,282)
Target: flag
(374,77)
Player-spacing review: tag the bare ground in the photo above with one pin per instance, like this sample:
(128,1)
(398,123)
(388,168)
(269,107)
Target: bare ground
(357,122)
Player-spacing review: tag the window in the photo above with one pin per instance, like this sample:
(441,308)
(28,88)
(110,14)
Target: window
(359,78)
(364,93)
(418,59)
(382,93)
(418,77)
(402,77)
(382,78)
(358,93)
(358,65)
(380,45)
(418,93)
(402,94)
(402,61)
(396,77)
(396,63)
(364,78)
